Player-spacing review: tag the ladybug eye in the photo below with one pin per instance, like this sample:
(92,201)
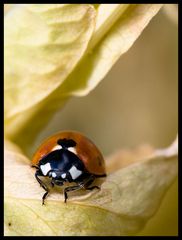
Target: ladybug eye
(66,143)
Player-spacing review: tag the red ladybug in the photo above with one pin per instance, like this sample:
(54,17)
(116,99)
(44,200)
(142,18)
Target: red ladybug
(68,157)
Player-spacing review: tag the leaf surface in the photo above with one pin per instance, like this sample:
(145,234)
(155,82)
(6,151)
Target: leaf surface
(54,51)
(127,199)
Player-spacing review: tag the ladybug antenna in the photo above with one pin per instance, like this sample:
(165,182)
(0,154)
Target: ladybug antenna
(66,143)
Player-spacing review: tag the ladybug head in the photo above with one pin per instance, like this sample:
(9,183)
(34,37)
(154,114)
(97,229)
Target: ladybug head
(66,143)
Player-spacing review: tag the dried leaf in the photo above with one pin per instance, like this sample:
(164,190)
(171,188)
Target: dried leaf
(127,199)
(104,53)
(43,43)
(45,65)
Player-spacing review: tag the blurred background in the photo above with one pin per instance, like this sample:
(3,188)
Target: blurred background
(136,103)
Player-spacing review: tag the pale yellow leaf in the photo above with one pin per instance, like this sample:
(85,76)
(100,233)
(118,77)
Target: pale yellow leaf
(56,51)
(43,43)
(128,197)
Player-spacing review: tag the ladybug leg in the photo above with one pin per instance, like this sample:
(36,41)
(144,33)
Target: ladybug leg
(69,189)
(42,185)
(44,197)
(39,181)
(57,182)
(84,184)
(34,166)
(52,183)
(89,182)
(91,188)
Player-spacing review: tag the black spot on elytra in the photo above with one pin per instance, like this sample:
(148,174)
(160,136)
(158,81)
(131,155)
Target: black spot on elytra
(66,143)
(9,224)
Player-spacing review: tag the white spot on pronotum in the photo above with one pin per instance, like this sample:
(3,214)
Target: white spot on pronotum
(54,174)
(72,149)
(45,168)
(75,172)
(57,147)
(63,175)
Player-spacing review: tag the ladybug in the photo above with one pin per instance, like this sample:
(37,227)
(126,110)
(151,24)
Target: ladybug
(68,157)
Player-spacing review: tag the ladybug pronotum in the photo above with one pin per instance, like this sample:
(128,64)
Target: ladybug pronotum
(68,157)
